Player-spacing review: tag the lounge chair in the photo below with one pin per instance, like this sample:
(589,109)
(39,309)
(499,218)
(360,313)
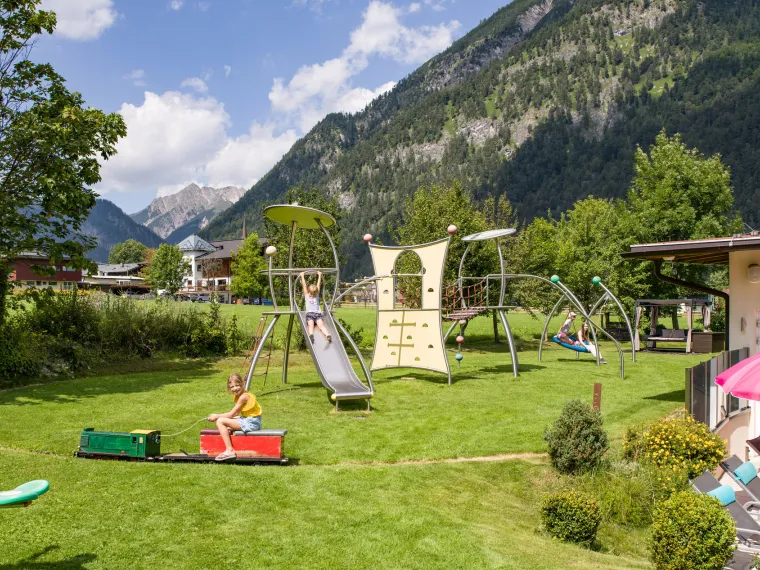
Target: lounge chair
(745,475)
(747,528)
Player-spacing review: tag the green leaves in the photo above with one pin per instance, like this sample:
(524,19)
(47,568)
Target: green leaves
(247,264)
(167,268)
(130,251)
(49,146)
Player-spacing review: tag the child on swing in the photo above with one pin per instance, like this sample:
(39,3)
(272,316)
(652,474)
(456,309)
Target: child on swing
(313,310)
(564,331)
(244,416)
(585,340)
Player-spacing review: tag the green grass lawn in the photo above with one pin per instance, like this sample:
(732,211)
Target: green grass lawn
(365,490)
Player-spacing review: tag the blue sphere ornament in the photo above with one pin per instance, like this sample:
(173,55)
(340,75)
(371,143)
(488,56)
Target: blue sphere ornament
(459,356)
(554,278)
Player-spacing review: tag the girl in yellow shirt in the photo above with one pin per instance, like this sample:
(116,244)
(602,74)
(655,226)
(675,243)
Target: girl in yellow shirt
(244,416)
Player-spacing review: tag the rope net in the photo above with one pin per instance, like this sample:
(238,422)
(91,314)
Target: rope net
(474,297)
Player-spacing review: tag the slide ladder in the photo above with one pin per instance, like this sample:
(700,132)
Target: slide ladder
(332,362)
(255,341)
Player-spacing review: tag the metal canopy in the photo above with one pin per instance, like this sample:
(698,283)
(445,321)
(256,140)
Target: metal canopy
(490,234)
(304,217)
(709,251)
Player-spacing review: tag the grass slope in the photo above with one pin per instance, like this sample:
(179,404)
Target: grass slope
(350,501)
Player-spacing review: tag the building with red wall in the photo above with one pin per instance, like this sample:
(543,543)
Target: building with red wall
(23,274)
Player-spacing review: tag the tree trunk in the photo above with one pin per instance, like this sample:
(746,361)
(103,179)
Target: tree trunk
(495,327)
(5,289)
(674,317)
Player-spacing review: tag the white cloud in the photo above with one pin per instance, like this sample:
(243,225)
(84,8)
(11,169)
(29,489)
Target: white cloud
(184,137)
(176,4)
(322,88)
(435,5)
(81,19)
(195,83)
(227,70)
(137,77)
(414,7)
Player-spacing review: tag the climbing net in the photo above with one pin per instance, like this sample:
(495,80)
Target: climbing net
(475,301)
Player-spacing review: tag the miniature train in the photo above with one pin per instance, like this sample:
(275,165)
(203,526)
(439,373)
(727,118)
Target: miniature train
(258,448)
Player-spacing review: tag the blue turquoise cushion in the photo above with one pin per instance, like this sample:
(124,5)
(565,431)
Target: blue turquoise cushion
(725,494)
(746,472)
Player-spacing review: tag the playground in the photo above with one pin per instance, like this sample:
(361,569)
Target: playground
(435,476)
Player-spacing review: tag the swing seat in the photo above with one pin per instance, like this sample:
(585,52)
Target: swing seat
(23,495)
(581,348)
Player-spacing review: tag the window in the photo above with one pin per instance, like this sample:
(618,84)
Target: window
(30,283)
(68,285)
(409,286)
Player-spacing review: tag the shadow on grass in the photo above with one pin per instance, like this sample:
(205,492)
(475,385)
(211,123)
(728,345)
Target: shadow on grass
(674,396)
(33,563)
(285,388)
(66,391)
(506,368)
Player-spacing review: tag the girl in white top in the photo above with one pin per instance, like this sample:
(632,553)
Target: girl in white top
(313,310)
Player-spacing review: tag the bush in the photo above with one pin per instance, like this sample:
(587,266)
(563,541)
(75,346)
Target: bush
(681,444)
(633,442)
(577,441)
(571,516)
(691,532)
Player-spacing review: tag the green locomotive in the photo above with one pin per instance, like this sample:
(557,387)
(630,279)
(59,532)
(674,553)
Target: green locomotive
(139,443)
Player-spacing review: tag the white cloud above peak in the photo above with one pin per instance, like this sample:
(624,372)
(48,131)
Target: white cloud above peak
(184,136)
(81,19)
(176,4)
(195,83)
(321,88)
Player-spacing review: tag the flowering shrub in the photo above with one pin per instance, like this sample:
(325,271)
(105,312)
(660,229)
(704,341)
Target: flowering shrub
(691,531)
(571,517)
(682,445)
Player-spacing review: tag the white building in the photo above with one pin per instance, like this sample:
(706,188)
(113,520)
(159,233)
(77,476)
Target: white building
(192,248)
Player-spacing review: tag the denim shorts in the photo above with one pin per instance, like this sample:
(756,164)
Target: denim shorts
(314,317)
(249,424)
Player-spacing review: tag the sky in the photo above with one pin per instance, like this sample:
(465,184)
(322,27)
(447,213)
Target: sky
(217,91)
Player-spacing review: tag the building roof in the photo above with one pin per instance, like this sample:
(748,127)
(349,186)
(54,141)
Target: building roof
(194,243)
(709,251)
(118,267)
(224,249)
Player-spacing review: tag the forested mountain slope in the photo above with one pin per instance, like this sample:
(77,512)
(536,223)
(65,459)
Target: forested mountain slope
(545,101)
(110,225)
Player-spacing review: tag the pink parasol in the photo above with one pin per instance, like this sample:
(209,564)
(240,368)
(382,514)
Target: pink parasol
(743,379)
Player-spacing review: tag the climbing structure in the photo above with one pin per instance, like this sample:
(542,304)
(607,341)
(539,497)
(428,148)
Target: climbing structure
(410,337)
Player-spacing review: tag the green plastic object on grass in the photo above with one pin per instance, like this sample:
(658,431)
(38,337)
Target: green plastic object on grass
(23,495)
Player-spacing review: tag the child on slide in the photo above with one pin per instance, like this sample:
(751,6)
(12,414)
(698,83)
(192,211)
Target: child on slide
(245,416)
(313,310)
(585,340)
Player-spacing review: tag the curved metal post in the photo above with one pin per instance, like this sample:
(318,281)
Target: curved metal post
(459,276)
(287,349)
(448,332)
(366,371)
(625,316)
(512,349)
(600,302)
(501,271)
(259,347)
(290,278)
(271,284)
(544,336)
(337,264)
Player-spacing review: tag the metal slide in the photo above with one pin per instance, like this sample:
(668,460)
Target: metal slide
(332,362)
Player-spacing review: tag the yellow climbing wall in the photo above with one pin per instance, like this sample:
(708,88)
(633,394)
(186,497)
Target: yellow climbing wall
(410,338)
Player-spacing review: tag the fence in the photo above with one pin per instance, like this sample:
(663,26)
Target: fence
(704,400)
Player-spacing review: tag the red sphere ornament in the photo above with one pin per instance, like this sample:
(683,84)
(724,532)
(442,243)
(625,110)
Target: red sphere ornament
(452,229)
(367,238)
(460,339)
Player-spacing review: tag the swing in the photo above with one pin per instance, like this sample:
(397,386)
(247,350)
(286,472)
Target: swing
(23,495)
(576,348)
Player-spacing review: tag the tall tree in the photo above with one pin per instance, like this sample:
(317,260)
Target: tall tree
(130,251)
(49,149)
(167,269)
(247,264)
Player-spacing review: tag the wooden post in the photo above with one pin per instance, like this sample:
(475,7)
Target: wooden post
(597,401)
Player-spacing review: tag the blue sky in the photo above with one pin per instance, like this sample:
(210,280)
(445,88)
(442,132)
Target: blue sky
(216,91)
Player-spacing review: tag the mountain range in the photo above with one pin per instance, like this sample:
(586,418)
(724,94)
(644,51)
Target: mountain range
(110,225)
(546,101)
(188,211)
